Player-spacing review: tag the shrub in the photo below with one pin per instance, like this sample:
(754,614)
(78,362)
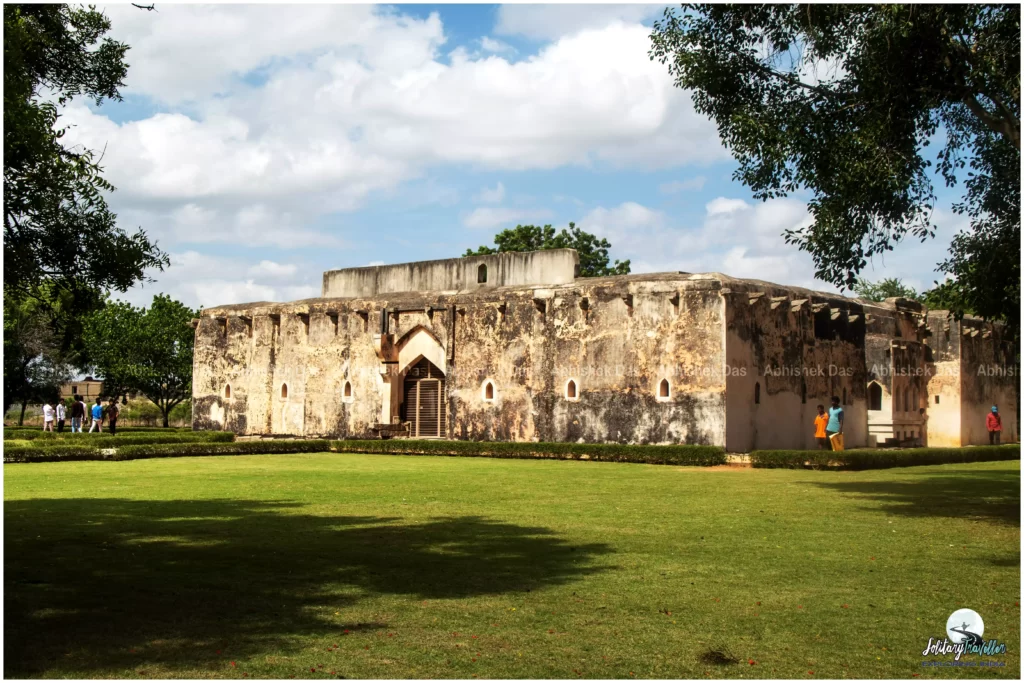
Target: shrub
(658,455)
(236,448)
(135,439)
(882,458)
(104,438)
(53,454)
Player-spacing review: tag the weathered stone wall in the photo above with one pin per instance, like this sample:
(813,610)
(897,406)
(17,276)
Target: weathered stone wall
(616,338)
(311,348)
(787,351)
(533,268)
(987,378)
(744,364)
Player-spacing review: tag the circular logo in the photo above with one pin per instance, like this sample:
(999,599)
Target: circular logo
(965,624)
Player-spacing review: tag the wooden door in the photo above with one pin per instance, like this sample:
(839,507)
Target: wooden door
(424,405)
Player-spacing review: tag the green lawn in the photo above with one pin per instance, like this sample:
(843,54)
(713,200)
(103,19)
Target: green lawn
(330,565)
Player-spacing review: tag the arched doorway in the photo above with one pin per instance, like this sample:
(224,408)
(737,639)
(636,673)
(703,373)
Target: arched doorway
(423,400)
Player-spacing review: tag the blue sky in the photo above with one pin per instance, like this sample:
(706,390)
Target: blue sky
(263,144)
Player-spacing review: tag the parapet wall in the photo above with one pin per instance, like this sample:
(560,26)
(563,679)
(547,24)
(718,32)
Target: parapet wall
(517,269)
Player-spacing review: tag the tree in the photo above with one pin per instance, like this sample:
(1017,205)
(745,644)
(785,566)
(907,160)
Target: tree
(144,351)
(884,289)
(61,241)
(844,100)
(34,367)
(593,252)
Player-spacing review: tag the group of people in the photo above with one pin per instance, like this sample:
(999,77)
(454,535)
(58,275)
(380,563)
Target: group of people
(54,417)
(827,425)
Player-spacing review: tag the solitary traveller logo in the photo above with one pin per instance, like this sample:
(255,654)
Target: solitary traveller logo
(964,631)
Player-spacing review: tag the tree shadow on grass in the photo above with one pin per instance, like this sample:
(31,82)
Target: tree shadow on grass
(988,495)
(95,579)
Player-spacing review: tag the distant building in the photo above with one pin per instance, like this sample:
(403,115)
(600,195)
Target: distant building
(516,347)
(89,389)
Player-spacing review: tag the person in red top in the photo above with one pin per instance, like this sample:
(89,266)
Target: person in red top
(994,424)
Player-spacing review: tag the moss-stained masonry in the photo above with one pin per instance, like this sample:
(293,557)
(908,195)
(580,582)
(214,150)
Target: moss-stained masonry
(660,358)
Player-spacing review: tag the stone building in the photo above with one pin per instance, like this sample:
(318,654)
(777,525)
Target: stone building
(516,347)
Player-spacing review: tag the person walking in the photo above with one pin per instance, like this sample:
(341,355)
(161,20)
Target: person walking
(97,417)
(61,415)
(820,422)
(112,412)
(835,421)
(77,414)
(48,414)
(994,424)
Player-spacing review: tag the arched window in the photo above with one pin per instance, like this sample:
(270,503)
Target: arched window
(571,391)
(227,391)
(488,390)
(481,273)
(757,393)
(664,390)
(874,396)
(346,391)
(284,391)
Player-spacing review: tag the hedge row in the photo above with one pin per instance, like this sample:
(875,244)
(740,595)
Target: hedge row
(134,440)
(29,433)
(71,452)
(656,455)
(54,454)
(877,459)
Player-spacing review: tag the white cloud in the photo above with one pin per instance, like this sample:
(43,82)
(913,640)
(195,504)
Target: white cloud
(501,217)
(331,116)
(488,44)
(549,22)
(676,186)
(271,269)
(202,280)
(489,196)
(745,240)
(624,225)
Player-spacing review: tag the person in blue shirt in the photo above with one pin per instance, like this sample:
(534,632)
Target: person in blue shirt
(835,420)
(97,417)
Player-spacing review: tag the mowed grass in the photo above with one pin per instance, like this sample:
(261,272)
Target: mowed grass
(369,566)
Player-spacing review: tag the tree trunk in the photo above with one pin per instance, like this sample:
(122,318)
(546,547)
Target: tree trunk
(21,418)
(166,411)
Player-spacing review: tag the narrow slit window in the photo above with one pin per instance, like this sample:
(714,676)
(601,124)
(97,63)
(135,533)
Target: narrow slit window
(570,390)
(936,399)
(664,390)
(757,393)
(488,390)
(284,391)
(227,391)
(347,391)
(844,396)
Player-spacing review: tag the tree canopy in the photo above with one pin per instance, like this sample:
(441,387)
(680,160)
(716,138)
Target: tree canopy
(62,245)
(844,102)
(144,351)
(884,289)
(593,251)
(34,368)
